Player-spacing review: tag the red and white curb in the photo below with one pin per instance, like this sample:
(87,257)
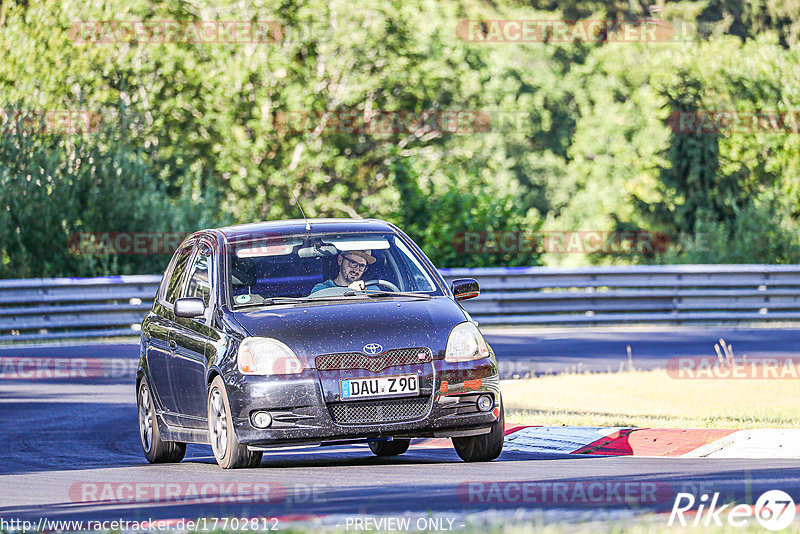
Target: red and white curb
(757,443)
(652,442)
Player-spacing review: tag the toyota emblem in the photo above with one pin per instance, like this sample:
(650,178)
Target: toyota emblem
(373,348)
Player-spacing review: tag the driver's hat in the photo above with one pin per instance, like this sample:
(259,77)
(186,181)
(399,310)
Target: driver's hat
(361,254)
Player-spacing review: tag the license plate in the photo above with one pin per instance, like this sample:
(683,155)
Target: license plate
(353,388)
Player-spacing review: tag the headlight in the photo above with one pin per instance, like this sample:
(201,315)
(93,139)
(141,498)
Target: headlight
(465,343)
(266,356)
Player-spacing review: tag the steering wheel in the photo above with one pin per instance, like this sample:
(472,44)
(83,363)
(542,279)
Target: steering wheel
(382,283)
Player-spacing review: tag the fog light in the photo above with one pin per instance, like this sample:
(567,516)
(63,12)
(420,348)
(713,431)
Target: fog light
(485,403)
(261,419)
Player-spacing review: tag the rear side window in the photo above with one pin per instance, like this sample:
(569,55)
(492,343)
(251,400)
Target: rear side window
(176,277)
(200,277)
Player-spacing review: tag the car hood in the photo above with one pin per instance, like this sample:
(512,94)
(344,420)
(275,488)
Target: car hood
(311,330)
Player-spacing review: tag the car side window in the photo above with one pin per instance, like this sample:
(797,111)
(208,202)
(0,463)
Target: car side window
(177,276)
(200,276)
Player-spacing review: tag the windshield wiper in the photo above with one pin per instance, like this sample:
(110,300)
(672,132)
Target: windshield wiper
(284,300)
(387,294)
(269,301)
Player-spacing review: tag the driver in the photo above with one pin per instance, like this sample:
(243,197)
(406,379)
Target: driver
(352,265)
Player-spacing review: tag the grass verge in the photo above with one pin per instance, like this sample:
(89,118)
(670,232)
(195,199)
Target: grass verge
(652,399)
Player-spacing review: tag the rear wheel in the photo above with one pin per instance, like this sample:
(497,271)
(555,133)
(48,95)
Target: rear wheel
(394,447)
(485,447)
(156,450)
(230,454)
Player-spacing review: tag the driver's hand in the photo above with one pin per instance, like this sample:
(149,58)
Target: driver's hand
(358,285)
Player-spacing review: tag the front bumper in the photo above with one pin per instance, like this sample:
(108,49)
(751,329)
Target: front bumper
(307,408)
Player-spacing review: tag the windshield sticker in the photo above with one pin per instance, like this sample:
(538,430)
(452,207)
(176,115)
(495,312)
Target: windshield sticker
(241,299)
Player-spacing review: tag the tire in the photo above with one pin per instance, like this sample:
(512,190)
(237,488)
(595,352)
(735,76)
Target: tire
(156,450)
(229,453)
(485,447)
(394,447)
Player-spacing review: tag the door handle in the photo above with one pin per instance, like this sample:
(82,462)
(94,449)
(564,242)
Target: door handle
(172,344)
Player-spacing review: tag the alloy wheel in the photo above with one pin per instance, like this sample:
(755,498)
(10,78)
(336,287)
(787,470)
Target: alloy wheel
(218,423)
(145,419)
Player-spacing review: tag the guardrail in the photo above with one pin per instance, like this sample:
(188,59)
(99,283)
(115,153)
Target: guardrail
(658,294)
(53,308)
(41,309)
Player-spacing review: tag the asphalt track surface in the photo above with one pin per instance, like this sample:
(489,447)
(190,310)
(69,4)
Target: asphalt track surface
(70,443)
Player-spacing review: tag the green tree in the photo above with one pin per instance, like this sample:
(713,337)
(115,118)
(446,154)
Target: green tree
(53,189)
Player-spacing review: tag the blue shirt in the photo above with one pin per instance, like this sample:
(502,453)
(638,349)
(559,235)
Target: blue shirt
(324,285)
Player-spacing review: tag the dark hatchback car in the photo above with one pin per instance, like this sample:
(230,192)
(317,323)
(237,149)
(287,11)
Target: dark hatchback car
(329,331)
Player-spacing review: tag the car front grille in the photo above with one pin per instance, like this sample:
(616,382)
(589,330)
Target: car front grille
(374,364)
(384,411)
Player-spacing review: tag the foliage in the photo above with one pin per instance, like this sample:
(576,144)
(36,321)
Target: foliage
(757,234)
(437,220)
(54,191)
(578,136)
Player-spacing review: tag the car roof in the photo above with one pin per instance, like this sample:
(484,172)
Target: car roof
(298,226)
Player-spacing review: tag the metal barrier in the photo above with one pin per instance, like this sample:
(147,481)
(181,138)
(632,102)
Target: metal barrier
(53,308)
(41,309)
(658,294)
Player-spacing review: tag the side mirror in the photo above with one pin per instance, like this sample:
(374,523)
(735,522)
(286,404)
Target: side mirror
(189,307)
(465,288)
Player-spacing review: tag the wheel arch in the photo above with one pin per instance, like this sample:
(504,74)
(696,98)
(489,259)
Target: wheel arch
(212,374)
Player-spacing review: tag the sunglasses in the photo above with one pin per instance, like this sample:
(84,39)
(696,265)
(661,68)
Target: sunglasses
(355,264)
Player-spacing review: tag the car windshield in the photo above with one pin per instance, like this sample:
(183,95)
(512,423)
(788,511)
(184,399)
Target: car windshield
(281,269)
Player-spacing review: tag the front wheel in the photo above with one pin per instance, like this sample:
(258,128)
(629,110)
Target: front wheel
(394,447)
(485,447)
(229,453)
(156,450)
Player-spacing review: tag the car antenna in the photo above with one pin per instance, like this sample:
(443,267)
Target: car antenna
(308,225)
